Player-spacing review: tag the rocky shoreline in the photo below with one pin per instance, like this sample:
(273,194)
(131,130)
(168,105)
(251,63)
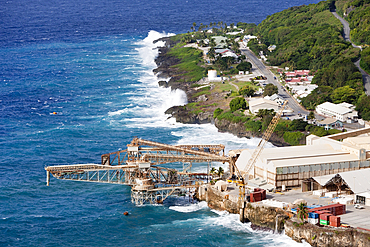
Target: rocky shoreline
(182,114)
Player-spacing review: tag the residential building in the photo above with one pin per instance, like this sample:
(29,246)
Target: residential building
(275,97)
(330,123)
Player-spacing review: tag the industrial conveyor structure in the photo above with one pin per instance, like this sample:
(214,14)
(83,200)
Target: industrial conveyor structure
(138,167)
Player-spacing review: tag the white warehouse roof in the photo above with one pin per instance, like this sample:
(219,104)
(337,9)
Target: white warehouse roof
(358,181)
(340,109)
(295,156)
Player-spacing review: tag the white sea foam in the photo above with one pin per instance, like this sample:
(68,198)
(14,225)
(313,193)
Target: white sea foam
(190,208)
(148,51)
(231,221)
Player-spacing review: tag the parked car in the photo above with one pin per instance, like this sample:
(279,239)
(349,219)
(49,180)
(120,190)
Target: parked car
(359,206)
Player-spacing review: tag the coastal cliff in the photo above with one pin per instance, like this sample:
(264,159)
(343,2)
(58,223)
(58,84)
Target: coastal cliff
(326,236)
(268,218)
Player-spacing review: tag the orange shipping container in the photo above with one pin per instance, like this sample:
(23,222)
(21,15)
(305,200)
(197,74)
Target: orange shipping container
(334,221)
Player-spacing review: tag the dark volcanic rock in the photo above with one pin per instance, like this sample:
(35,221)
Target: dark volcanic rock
(238,129)
(183,115)
(163,84)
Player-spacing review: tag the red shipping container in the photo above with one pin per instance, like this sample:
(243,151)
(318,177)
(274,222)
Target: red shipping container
(264,195)
(255,197)
(334,221)
(325,216)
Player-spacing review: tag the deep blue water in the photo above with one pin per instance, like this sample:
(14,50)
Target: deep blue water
(90,62)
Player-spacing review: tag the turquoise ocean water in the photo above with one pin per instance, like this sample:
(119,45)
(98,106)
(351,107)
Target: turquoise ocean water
(91,62)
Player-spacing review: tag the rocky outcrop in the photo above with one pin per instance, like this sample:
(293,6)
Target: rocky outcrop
(184,115)
(326,236)
(216,199)
(265,217)
(239,130)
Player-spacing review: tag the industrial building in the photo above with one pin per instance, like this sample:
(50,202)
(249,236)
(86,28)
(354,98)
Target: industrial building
(343,111)
(289,166)
(352,182)
(262,103)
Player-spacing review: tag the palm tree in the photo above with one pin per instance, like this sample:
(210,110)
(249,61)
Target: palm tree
(302,211)
(220,171)
(213,171)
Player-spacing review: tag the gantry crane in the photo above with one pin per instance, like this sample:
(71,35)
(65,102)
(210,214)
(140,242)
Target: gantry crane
(252,161)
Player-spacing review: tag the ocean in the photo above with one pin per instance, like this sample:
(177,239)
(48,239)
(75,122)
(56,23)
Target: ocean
(91,63)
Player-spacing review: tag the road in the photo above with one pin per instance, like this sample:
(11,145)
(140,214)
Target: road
(346,36)
(292,103)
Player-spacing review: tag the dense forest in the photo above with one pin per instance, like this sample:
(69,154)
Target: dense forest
(310,37)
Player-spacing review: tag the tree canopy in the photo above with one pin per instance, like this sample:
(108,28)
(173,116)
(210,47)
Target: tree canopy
(270,89)
(237,103)
(247,91)
(244,66)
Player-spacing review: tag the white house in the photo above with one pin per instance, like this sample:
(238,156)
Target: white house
(247,38)
(256,105)
(275,97)
(342,112)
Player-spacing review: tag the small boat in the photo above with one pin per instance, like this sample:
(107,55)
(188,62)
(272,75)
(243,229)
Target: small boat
(125,213)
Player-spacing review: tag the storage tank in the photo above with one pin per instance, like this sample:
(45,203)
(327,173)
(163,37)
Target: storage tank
(212,74)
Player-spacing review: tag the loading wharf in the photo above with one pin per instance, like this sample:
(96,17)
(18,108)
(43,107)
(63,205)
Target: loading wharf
(138,166)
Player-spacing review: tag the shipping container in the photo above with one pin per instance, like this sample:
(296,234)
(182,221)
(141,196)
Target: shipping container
(334,221)
(313,215)
(325,217)
(313,221)
(336,209)
(323,222)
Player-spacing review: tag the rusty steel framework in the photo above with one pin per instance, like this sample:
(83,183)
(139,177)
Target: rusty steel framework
(138,167)
(265,138)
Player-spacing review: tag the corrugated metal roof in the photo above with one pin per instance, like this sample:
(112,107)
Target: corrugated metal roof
(315,160)
(358,181)
(335,108)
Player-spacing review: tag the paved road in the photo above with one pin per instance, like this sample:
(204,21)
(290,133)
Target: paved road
(292,103)
(346,36)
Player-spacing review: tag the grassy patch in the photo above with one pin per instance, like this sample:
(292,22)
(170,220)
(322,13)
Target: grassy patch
(190,59)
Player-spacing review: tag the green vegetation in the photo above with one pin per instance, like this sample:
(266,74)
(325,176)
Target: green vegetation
(204,90)
(365,59)
(217,112)
(310,37)
(234,117)
(363,106)
(197,107)
(302,211)
(247,91)
(244,66)
(238,103)
(190,58)
(357,13)
(293,138)
(270,89)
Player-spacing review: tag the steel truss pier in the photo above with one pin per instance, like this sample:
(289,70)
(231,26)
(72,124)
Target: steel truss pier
(138,167)
(156,196)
